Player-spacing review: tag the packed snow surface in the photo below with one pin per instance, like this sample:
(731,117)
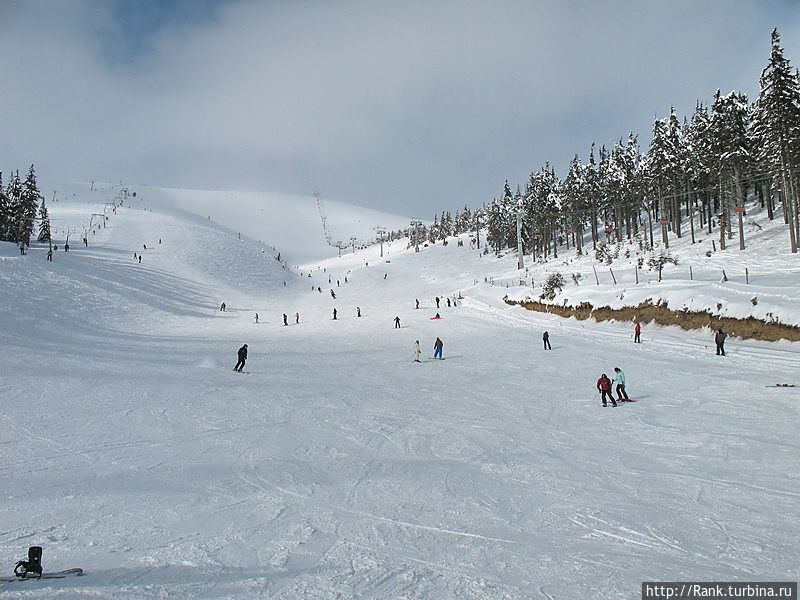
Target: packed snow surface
(334,466)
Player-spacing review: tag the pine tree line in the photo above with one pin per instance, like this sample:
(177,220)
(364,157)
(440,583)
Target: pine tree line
(21,208)
(697,174)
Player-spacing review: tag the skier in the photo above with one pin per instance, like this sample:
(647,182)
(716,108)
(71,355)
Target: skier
(337,283)
(358,311)
(140,258)
(242,357)
(604,387)
(85,242)
(256,318)
(416,351)
(66,249)
(285,322)
(546,340)
(22,248)
(334,314)
(637,333)
(333,295)
(144,246)
(448,303)
(619,379)
(719,338)
(222,306)
(454,303)
(297,318)
(417,301)
(437,301)
(397,322)
(134,256)
(437,349)
(50,255)
(384,275)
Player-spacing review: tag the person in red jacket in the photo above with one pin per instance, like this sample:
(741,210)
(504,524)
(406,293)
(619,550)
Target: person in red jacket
(604,387)
(637,334)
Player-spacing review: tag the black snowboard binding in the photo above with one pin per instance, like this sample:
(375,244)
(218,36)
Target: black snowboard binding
(31,568)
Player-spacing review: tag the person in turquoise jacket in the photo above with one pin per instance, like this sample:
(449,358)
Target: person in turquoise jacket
(619,379)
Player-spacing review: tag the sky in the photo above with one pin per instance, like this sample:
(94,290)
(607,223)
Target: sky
(412,107)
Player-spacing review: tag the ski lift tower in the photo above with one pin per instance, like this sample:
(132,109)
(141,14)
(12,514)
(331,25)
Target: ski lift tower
(416,224)
(381,233)
(353,243)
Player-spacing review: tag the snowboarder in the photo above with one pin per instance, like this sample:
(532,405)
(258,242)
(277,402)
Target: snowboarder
(333,295)
(397,322)
(256,318)
(604,387)
(334,314)
(416,351)
(437,301)
(417,301)
(285,322)
(437,316)
(297,318)
(358,311)
(242,358)
(619,379)
(719,338)
(637,334)
(437,349)
(222,306)
(546,341)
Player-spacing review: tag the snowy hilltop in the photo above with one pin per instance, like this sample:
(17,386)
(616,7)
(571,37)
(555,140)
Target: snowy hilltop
(334,465)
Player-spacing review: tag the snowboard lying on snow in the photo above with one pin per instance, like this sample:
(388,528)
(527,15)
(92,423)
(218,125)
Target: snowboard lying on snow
(53,575)
(32,569)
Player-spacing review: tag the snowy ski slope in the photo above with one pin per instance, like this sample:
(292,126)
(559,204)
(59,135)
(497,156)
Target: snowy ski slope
(335,467)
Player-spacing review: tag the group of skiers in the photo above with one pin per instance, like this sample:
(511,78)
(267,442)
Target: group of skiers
(438,345)
(605,387)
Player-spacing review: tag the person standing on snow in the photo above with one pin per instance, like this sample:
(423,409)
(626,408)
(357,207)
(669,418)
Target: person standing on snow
(417,301)
(358,311)
(256,318)
(334,314)
(416,351)
(619,379)
(448,303)
(719,338)
(297,318)
(637,334)
(333,295)
(546,341)
(242,358)
(437,349)
(222,306)
(604,387)
(397,322)
(437,301)
(285,322)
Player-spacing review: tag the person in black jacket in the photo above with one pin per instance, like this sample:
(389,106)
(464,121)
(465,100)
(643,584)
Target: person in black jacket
(719,338)
(546,340)
(242,357)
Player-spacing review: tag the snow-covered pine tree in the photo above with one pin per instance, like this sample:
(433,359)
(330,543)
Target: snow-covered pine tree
(5,212)
(29,204)
(44,223)
(14,194)
(776,128)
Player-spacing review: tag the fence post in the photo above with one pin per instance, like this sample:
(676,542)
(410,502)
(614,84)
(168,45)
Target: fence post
(612,275)
(595,275)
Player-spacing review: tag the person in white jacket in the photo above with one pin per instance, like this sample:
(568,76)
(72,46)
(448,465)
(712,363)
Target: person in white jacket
(416,351)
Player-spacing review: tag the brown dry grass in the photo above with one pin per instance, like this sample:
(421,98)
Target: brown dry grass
(647,312)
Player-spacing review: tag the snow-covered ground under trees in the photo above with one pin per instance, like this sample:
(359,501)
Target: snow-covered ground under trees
(335,467)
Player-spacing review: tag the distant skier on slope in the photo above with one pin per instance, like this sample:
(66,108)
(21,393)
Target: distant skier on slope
(242,358)
(297,318)
(619,379)
(637,333)
(397,322)
(604,387)
(416,351)
(546,341)
(719,338)
(358,311)
(222,306)
(417,303)
(285,321)
(256,318)
(437,301)
(448,303)
(438,345)
(334,314)
(333,295)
